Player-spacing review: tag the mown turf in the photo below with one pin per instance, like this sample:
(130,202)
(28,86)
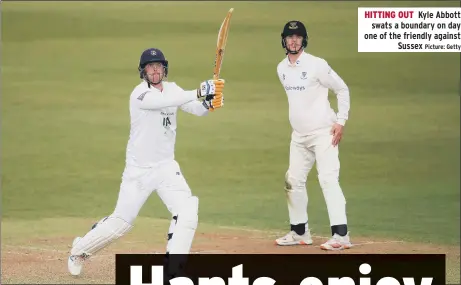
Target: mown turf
(68,68)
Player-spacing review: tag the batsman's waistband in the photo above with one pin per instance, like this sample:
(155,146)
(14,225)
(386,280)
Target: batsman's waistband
(154,165)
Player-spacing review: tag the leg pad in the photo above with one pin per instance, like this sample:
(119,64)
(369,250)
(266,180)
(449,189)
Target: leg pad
(101,236)
(185,226)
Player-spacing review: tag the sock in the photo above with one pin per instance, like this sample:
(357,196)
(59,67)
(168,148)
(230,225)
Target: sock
(300,229)
(339,229)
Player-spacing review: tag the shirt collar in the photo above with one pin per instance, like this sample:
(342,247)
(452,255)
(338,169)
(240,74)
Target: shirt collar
(146,85)
(299,61)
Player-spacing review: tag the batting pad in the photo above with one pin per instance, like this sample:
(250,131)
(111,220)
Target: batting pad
(184,230)
(170,231)
(101,236)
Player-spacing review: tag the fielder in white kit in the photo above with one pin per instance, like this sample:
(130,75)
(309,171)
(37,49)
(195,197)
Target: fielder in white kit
(317,131)
(150,160)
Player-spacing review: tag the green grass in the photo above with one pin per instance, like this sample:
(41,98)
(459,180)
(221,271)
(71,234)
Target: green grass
(68,69)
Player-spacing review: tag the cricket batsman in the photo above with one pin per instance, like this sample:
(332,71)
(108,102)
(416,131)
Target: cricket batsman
(150,160)
(316,133)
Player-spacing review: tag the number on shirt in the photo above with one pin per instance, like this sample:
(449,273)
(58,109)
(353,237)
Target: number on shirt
(166,122)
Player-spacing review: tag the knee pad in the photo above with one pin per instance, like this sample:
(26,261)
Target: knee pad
(184,228)
(104,233)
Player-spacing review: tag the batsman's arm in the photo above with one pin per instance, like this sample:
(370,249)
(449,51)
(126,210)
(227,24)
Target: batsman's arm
(195,107)
(211,90)
(330,79)
(150,100)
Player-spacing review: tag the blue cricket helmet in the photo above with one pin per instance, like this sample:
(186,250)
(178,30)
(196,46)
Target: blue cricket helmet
(152,55)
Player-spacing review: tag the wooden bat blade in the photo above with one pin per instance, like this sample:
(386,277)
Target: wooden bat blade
(221,44)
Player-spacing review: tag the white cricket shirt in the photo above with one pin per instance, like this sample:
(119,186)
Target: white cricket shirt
(153,122)
(306,84)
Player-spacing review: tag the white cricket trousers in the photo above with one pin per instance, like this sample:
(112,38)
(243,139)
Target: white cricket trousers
(304,152)
(139,183)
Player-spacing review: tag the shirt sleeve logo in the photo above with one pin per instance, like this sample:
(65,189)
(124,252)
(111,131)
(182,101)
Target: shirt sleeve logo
(141,97)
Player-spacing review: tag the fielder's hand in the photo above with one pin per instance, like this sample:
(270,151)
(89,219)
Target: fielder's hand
(337,132)
(210,87)
(213,102)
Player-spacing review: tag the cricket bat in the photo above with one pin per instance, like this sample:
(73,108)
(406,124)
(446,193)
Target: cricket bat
(221,44)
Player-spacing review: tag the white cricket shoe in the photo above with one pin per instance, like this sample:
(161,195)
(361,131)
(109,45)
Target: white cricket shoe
(292,238)
(337,242)
(75,262)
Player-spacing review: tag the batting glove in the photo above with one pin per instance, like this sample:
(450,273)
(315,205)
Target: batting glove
(213,102)
(210,87)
